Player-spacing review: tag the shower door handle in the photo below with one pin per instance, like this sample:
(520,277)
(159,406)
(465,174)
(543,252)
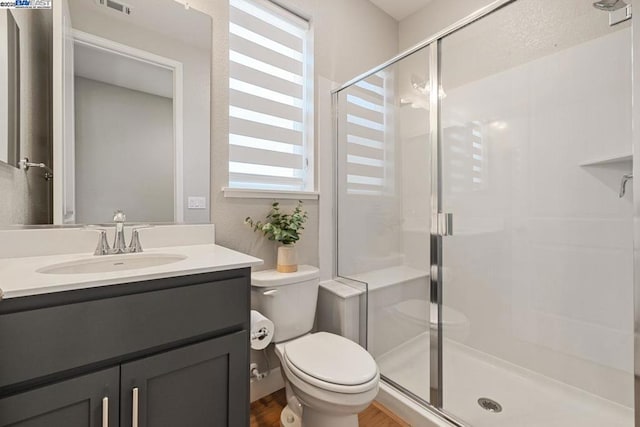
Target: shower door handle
(445,224)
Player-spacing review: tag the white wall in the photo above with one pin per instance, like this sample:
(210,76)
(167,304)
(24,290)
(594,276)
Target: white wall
(26,197)
(197,84)
(124,154)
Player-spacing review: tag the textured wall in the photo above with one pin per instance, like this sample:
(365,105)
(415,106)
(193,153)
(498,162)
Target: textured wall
(434,17)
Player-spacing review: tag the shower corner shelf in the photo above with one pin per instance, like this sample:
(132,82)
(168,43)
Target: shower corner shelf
(605,160)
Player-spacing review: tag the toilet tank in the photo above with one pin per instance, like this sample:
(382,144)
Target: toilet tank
(287,299)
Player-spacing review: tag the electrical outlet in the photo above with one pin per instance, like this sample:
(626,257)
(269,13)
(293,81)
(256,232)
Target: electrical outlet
(197,202)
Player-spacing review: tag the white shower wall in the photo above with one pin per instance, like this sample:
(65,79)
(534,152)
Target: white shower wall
(541,257)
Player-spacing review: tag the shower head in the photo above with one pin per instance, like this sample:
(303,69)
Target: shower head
(609,5)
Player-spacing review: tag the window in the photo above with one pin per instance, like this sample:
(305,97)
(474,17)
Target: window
(270,98)
(368,149)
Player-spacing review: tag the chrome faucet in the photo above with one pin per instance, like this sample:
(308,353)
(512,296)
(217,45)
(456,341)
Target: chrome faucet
(119,245)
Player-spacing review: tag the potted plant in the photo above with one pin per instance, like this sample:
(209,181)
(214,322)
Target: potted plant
(285,229)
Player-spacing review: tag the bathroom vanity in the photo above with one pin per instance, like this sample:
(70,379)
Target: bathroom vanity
(166,347)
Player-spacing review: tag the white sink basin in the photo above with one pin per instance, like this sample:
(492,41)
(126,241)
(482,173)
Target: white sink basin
(109,263)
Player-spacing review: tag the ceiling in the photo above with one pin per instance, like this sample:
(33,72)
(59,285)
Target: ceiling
(166,17)
(400,9)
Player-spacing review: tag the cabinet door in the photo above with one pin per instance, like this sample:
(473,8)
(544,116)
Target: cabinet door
(79,402)
(200,385)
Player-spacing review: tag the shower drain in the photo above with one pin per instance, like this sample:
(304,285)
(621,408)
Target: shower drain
(489,405)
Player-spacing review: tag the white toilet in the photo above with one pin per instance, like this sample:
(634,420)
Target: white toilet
(329,379)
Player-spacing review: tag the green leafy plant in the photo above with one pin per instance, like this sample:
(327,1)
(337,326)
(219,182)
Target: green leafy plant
(281,227)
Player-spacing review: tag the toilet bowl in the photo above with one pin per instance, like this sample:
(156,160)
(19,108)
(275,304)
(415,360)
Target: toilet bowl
(328,378)
(332,378)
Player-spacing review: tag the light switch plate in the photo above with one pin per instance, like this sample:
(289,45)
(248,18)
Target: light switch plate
(197,202)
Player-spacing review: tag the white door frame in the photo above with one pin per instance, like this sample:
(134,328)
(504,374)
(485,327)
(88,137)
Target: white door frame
(175,67)
(62,98)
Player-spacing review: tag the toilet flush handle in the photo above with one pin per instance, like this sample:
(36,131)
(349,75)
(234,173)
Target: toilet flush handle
(270,292)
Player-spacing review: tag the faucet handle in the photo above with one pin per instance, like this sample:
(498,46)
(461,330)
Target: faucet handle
(103,244)
(135,245)
(119,216)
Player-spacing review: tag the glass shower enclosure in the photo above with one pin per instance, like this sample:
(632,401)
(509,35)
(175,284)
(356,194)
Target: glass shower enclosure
(479,201)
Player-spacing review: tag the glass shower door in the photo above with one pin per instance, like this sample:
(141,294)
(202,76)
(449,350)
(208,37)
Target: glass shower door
(535,135)
(383,213)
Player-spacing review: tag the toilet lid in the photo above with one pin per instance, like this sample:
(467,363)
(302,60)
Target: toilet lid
(331,358)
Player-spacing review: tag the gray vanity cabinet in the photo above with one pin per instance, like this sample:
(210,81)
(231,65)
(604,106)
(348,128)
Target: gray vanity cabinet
(192,386)
(77,402)
(165,353)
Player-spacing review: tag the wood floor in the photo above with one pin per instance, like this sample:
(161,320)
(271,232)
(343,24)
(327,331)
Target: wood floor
(265,412)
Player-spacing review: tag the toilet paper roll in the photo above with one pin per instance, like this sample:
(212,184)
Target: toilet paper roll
(261,330)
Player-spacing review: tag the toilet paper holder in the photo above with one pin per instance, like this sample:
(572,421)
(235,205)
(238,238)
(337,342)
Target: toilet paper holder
(260,334)
(261,331)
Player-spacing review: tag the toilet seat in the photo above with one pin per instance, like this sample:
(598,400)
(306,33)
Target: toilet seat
(332,363)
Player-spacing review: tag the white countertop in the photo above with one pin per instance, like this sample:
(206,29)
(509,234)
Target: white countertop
(19,276)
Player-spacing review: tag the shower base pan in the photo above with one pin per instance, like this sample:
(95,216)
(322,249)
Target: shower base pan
(526,399)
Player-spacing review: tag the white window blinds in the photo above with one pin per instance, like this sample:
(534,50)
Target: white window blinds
(270,98)
(368,151)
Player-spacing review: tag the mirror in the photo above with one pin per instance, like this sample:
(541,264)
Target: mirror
(141,113)
(121,114)
(9,88)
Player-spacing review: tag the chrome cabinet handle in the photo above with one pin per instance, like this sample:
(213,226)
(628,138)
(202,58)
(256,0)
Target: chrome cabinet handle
(134,409)
(105,412)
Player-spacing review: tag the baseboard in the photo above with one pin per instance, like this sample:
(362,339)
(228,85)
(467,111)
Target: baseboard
(269,384)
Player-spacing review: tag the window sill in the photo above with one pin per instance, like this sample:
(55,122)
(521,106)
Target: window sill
(243,193)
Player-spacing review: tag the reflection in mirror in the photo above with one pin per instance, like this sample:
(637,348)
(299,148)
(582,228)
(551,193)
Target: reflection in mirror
(138,134)
(9,88)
